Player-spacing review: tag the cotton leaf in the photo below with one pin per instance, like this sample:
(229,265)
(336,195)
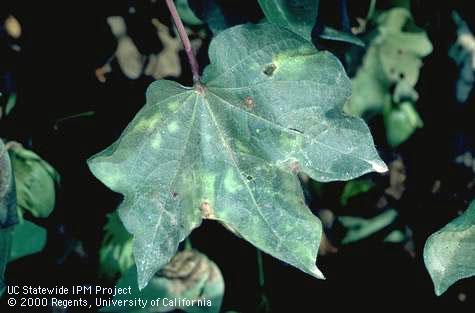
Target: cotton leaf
(115,255)
(36,181)
(189,275)
(449,253)
(229,149)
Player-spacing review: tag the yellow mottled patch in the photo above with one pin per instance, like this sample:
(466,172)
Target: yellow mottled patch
(172,106)
(148,124)
(230,183)
(208,183)
(111,178)
(241,147)
(288,141)
(173,127)
(292,59)
(156,141)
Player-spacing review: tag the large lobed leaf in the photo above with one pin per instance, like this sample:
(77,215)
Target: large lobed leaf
(229,149)
(449,253)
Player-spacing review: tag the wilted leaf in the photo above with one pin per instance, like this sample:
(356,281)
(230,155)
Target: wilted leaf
(35,180)
(229,149)
(359,228)
(449,253)
(27,238)
(189,275)
(115,255)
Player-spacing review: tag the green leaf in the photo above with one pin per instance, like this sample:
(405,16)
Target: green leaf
(8,211)
(401,122)
(5,244)
(449,253)
(229,149)
(298,16)
(222,14)
(359,228)
(354,188)
(186,13)
(27,238)
(330,33)
(190,275)
(10,103)
(36,182)
(115,255)
(396,236)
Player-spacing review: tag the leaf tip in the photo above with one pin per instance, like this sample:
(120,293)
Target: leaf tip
(317,273)
(379,166)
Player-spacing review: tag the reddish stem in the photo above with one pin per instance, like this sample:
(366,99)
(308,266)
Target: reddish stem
(195,69)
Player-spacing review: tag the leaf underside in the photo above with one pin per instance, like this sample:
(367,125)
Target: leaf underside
(229,149)
(449,253)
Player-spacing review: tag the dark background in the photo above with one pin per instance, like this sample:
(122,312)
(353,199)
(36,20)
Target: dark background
(53,74)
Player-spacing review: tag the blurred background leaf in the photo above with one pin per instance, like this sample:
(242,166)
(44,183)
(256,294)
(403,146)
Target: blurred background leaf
(189,275)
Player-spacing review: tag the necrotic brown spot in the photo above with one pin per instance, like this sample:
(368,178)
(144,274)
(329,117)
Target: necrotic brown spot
(206,210)
(269,69)
(249,103)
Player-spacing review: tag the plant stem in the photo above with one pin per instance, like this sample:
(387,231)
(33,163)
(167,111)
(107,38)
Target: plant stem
(195,69)
(264,305)
(372,7)
(260,267)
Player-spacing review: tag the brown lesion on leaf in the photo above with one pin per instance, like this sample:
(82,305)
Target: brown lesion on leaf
(296,130)
(207,210)
(249,103)
(270,69)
